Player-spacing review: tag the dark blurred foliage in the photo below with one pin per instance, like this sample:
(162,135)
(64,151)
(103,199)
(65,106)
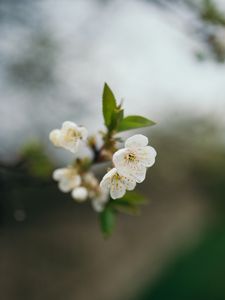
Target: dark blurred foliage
(209,173)
(197,274)
(36,162)
(210,13)
(22,180)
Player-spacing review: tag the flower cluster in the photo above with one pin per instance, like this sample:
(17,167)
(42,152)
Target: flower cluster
(82,185)
(130,163)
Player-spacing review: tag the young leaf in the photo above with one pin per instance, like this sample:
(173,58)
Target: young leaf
(117,117)
(107,221)
(134,198)
(108,105)
(132,122)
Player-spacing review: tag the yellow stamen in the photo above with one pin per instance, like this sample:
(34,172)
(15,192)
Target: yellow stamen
(131,156)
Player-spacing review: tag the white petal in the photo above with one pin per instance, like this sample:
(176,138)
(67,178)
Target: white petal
(146,155)
(54,137)
(80,194)
(111,173)
(68,124)
(67,182)
(129,183)
(71,146)
(135,171)
(84,133)
(137,140)
(106,180)
(140,174)
(59,173)
(119,158)
(117,189)
(65,186)
(105,184)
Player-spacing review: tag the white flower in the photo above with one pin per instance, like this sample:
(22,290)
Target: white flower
(132,160)
(69,136)
(98,203)
(80,194)
(68,178)
(116,184)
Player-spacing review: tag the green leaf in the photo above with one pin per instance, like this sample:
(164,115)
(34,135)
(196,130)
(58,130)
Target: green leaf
(107,221)
(134,197)
(108,105)
(132,122)
(117,117)
(129,203)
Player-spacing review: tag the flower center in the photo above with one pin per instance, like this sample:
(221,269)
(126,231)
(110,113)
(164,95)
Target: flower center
(131,157)
(71,135)
(117,177)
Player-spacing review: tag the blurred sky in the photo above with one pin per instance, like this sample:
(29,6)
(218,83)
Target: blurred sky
(56,55)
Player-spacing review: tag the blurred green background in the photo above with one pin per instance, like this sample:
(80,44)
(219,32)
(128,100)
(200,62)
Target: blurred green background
(166,58)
